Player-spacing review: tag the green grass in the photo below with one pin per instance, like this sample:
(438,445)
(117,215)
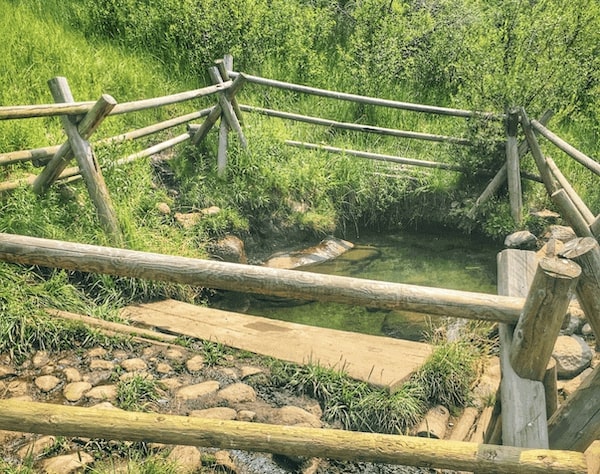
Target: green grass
(138,393)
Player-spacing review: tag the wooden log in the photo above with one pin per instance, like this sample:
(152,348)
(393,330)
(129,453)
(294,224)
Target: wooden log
(464,424)
(523,401)
(576,424)
(72,421)
(570,212)
(153,150)
(595,227)
(434,424)
(90,170)
(222,148)
(579,204)
(255,279)
(494,185)
(227,109)
(544,311)
(592,455)
(536,152)
(586,252)
(357,127)
(39,154)
(375,156)
(224,66)
(85,129)
(551,388)
(570,150)
(78,108)
(513,168)
(483,424)
(393,104)
(215,113)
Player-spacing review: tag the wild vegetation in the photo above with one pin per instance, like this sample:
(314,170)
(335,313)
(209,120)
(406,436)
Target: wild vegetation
(480,55)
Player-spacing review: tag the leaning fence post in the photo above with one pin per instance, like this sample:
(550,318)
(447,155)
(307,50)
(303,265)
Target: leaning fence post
(90,170)
(512,166)
(586,253)
(539,324)
(569,210)
(86,128)
(536,152)
(226,108)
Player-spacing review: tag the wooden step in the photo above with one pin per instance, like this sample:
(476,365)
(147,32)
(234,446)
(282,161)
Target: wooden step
(382,361)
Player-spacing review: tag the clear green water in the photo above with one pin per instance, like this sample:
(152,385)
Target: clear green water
(426,259)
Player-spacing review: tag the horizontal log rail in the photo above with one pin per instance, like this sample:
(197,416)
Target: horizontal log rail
(357,127)
(59,420)
(78,108)
(255,279)
(570,150)
(367,100)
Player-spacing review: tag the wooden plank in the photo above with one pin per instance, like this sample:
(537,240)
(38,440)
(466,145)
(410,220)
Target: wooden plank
(255,279)
(512,167)
(364,357)
(367,100)
(72,421)
(523,401)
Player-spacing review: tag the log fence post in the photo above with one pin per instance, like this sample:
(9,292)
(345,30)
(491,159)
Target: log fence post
(539,324)
(536,152)
(512,166)
(586,253)
(595,227)
(90,169)
(85,129)
(569,211)
(227,111)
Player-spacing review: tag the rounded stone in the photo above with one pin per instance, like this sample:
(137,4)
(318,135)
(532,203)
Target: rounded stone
(46,383)
(294,416)
(246,415)
(163,208)
(163,368)
(587,330)
(521,240)
(97,352)
(103,392)
(36,447)
(237,393)
(67,464)
(100,364)
(175,355)
(198,390)
(248,371)
(75,390)
(134,365)
(40,359)
(187,459)
(72,374)
(195,364)
(572,355)
(7,371)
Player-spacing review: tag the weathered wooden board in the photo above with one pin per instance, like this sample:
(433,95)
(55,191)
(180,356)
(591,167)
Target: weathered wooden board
(382,361)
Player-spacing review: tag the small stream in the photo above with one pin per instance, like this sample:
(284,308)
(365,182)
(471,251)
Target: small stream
(442,260)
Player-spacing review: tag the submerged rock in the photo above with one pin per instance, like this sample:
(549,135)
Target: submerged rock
(327,249)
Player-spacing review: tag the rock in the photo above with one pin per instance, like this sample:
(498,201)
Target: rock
(523,239)
(223,458)
(192,392)
(293,416)
(47,370)
(163,368)
(72,374)
(97,352)
(228,249)
(237,393)
(187,458)
(103,392)
(101,364)
(36,447)
(572,356)
(211,211)
(7,371)
(17,388)
(248,371)
(134,365)
(46,383)
(587,330)
(40,359)
(216,413)
(569,387)
(550,249)
(98,377)
(163,208)
(188,220)
(327,249)
(75,390)
(195,364)
(171,383)
(246,415)
(560,232)
(131,375)
(175,355)
(67,464)
(229,372)
(105,406)
(574,320)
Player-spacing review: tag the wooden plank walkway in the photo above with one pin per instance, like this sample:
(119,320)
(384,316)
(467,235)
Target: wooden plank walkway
(382,361)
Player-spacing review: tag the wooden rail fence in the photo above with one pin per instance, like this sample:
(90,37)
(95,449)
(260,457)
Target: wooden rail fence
(530,309)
